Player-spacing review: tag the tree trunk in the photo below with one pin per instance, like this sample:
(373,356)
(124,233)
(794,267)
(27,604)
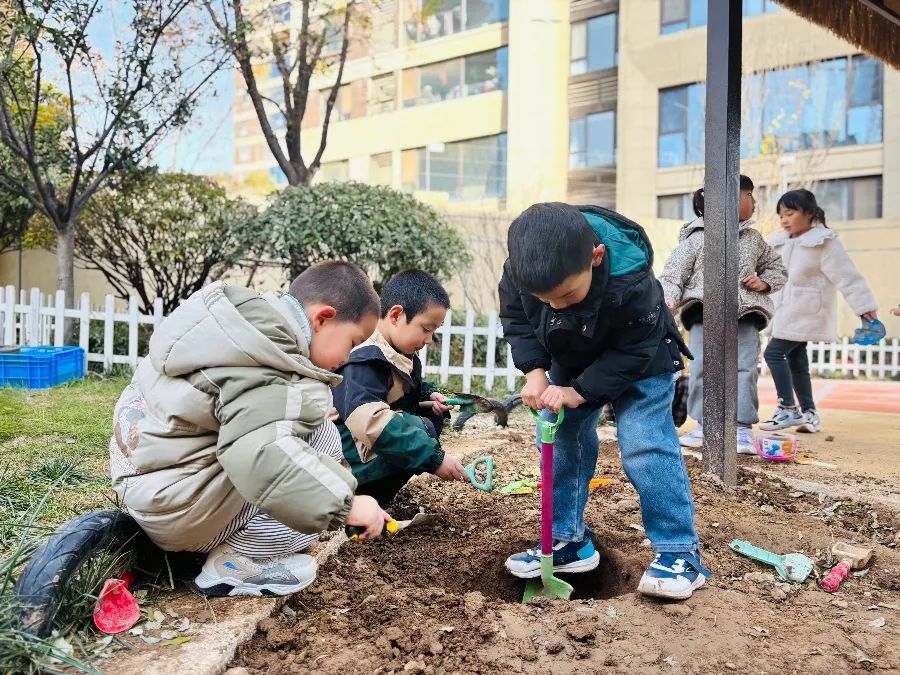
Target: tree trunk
(65,272)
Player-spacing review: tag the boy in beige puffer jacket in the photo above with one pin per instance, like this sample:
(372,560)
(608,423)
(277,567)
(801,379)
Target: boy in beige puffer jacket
(221,442)
(761,272)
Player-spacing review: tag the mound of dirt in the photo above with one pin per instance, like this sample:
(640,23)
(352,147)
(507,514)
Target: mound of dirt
(436,599)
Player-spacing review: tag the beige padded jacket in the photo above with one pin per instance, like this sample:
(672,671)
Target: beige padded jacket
(215,417)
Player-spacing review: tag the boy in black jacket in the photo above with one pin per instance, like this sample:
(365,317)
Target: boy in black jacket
(579,303)
(386,436)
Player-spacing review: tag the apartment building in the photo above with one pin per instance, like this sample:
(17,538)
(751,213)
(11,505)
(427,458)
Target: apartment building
(482,107)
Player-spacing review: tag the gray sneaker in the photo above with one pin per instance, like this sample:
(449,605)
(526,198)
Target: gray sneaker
(782,418)
(692,439)
(809,424)
(746,445)
(226,572)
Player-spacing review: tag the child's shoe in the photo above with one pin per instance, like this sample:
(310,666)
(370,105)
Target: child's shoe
(692,439)
(745,443)
(568,556)
(809,423)
(228,573)
(674,576)
(782,418)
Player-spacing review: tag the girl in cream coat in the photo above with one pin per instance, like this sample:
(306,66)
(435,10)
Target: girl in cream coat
(806,309)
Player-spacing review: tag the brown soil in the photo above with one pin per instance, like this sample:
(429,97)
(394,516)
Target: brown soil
(437,600)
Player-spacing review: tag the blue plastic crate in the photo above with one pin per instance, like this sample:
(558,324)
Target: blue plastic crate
(41,367)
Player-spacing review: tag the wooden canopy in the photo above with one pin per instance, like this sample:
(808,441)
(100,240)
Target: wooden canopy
(871,25)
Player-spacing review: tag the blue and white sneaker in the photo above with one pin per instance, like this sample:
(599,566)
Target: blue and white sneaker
(674,576)
(568,556)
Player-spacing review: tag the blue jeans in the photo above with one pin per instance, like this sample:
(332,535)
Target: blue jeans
(651,457)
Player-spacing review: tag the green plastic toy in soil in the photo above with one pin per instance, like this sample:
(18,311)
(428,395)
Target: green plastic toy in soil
(485,464)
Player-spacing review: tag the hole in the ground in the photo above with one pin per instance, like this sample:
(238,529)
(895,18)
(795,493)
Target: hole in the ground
(441,556)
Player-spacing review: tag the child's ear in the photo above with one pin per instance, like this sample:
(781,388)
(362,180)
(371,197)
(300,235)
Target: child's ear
(599,250)
(394,313)
(321,316)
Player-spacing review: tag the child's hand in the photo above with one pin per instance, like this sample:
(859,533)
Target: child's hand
(451,469)
(555,398)
(754,283)
(366,513)
(896,311)
(871,316)
(439,407)
(671,304)
(535,383)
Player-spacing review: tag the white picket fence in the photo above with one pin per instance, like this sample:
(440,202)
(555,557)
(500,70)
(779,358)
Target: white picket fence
(36,318)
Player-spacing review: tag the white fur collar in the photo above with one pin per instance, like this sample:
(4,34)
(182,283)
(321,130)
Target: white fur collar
(816,236)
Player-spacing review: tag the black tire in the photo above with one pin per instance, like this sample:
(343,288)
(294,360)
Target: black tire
(41,583)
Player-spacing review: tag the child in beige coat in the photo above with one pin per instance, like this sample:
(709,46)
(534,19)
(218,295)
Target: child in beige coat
(806,309)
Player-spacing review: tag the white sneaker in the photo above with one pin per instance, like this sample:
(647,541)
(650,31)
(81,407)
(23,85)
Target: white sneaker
(226,572)
(809,424)
(782,418)
(745,443)
(692,439)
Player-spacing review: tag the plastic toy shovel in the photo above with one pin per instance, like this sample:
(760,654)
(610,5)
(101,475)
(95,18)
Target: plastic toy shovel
(791,567)
(116,609)
(549,586)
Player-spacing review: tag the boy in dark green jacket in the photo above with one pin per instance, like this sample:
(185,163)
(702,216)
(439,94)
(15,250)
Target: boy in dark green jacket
(387,437)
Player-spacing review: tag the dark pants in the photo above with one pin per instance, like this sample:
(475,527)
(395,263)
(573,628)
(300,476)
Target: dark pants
(790,370)
(385,489)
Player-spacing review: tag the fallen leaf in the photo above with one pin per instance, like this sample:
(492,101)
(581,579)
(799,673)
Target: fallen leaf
(795,494)
(447,629)
(611,612)
(171,612)
(156,615)
(62,646)
(105,641)
(153,625)
(140,595)
(878,623)
(184,624)
(174,642)
(861,657)
(136,631)
(150,640)
(860,573)
(670,660)
(168,635)
(888,605)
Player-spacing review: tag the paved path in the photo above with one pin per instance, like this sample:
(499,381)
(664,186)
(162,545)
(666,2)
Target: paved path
(864,396)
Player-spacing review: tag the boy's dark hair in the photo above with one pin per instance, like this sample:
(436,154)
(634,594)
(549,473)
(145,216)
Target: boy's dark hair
(547,244)
(801,200)
(413,290)
(343,285)
(697,201)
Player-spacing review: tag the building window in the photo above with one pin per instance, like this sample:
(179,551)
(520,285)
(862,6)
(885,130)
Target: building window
(432,19)
(457,78)
(467,171)
(381,169)
(849,198)
(243,154)
(682,135)
(675,207)
(332,172)
(810,107)
(281,13)
(382,94)
(592,141)
(594,45)
(343,104)
(277,176)
(678,15)
(277,121)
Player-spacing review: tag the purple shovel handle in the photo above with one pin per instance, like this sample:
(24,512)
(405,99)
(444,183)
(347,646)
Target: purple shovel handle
(546,498)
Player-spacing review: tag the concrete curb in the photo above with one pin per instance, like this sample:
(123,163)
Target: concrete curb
(212,645)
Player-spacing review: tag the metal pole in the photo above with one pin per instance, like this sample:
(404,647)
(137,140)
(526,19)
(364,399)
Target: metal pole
(721,195)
